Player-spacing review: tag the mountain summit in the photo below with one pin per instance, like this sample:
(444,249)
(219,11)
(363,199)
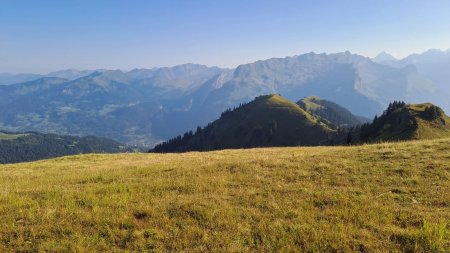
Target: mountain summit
(268,120)
(402,121)
(384,57)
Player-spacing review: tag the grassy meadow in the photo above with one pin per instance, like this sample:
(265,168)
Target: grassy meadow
(372,198)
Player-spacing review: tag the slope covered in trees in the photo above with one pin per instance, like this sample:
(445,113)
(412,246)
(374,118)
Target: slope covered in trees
(268,120)
(330,113)
(23,147)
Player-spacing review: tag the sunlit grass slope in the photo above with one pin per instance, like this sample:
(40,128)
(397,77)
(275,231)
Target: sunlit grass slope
(9,136)
(427,129)
(330,113)
(372,198)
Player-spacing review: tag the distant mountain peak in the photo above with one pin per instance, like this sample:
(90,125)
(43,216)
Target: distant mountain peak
(71,74)
(384,57)
(434,51)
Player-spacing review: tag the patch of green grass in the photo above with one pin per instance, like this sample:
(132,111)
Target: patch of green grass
(427,130)
(278,101)
(391,197)
(311,103)
(7,136)
(431,237)
(419,107)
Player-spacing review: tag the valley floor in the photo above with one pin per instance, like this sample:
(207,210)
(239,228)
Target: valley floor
(383,197)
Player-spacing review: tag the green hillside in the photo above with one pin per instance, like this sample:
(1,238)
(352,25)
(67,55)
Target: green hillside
(267,121)
(330,113)
(370,198)
(402,121)
(31,146)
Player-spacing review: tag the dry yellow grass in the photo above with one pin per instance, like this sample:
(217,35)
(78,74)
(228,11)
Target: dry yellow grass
(384,197)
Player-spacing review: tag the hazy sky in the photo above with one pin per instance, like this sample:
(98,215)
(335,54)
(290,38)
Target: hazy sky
(44,35)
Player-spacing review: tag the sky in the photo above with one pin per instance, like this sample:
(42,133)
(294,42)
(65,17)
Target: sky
(48,35)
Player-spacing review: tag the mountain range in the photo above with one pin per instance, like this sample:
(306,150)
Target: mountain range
(146,106)
(434,65)
(70,74)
